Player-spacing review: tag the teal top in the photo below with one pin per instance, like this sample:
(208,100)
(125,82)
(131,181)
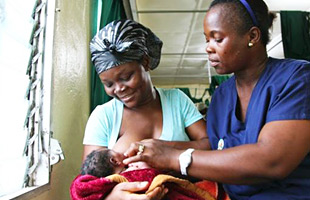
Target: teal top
(178,110)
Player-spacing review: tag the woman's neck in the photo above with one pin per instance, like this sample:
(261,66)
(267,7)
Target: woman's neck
(151,102)
(250,76)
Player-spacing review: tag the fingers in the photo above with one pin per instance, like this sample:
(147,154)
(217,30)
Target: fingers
(136,148)
(133,149)
(149,140)
(133,187)
(158,193)
(135,158)
(140,147)
(128,191)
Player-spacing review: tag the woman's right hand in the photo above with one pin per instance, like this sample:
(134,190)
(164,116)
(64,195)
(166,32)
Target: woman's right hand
(155,153)
(127,191)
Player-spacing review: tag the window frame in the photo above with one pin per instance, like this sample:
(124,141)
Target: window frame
(42,171)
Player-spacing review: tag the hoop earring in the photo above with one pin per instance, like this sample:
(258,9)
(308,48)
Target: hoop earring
(250,44)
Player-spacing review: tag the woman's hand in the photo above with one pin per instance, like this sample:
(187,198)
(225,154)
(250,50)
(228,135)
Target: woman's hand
(127,191)
(155,153)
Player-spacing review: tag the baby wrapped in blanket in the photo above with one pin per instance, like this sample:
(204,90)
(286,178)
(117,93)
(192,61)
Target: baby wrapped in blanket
(103,169)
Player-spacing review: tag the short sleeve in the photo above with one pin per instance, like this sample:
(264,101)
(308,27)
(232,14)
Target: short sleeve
(293,101)
(189,111)
(97,127)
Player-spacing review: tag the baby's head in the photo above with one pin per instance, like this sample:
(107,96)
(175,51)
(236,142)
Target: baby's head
(103,162)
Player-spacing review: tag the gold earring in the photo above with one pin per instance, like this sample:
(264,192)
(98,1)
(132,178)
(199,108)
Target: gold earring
(250,44)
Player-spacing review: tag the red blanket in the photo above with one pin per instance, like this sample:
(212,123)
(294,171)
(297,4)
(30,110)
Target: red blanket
(87,187)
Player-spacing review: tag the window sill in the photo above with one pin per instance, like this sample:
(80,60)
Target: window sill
(27,193)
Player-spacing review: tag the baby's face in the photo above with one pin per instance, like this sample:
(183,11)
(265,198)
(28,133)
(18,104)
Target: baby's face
(117,160)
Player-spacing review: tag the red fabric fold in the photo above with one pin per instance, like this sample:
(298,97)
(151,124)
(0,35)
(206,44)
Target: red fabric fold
(87,187)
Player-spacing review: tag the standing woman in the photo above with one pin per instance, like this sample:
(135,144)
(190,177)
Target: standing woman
(259,120)
(123,53)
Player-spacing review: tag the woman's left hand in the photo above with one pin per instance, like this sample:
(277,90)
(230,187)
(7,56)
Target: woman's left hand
(129,190)
(155,153)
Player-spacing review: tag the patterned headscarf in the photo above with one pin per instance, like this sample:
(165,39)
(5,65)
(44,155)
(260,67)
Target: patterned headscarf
(124,41)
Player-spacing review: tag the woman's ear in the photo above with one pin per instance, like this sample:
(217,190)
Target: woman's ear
(146,63)
(254,36)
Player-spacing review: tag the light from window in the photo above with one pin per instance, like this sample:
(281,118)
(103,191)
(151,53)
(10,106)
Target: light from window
(23,149)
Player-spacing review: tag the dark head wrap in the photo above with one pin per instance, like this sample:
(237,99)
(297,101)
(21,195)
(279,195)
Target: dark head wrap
(124,41)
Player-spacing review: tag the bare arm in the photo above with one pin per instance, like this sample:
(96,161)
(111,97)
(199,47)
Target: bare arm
(281,146)
(89,148)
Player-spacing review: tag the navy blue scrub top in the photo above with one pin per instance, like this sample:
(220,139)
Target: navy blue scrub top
(282,93)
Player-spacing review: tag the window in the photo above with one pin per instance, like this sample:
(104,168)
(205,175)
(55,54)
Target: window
(25,85)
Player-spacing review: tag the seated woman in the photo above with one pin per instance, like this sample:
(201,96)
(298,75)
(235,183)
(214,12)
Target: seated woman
(123,53)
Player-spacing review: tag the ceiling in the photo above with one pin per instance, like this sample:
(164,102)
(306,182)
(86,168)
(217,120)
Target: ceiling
(179,24)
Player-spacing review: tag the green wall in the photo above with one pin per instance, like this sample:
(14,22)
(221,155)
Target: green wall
(70,93)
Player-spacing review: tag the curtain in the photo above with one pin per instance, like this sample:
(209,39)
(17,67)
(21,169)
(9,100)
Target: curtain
(110,10)
(216,81)
(295,27)
(188,93)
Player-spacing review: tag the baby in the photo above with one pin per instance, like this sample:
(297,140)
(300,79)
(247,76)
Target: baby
(105,162)
(102,163)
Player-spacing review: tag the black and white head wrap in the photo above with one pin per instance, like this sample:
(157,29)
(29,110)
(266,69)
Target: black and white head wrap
(124,41)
